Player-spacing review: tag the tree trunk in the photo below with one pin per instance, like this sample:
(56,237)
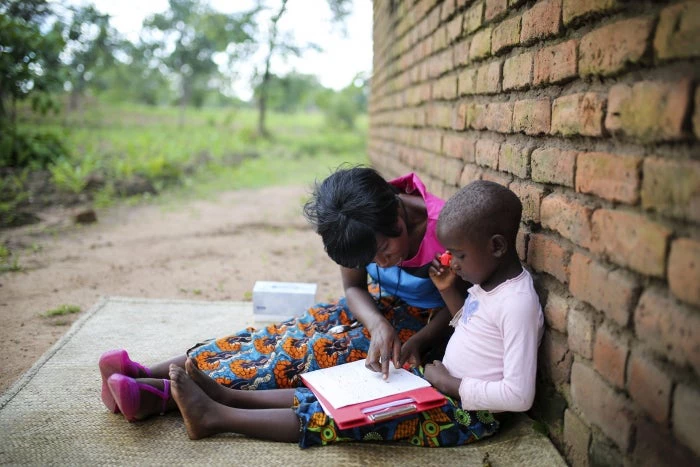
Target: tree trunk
(262,98)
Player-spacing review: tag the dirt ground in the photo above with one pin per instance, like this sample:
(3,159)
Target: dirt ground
(196,250)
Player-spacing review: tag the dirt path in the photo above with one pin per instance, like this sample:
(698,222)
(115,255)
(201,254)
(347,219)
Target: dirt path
(199,250)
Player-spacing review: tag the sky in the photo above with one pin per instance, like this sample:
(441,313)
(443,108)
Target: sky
(342,58)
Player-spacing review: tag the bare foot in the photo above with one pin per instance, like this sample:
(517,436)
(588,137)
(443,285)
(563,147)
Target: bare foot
(195,406)
(213,389)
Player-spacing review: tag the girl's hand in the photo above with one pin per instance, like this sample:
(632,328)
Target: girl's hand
(438,376)
(384,346)
(412,351)
(442,276)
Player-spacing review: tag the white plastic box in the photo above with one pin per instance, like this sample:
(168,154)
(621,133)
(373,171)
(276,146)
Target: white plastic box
(275,301)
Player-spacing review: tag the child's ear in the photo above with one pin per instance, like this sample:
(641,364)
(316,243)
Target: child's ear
(499,246)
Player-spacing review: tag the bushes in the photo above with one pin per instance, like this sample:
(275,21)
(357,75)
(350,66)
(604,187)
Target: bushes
(22,147)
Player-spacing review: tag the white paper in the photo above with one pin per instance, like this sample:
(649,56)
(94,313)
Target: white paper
(353,383)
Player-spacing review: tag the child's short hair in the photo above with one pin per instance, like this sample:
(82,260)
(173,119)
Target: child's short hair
(348,209)
(482,208)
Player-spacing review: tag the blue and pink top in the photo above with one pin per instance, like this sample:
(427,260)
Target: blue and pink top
(410,281)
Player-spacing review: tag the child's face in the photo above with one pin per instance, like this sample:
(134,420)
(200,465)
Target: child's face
(472,258)
(391,251)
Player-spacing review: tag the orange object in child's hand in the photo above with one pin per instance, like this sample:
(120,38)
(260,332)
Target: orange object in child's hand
(445,258)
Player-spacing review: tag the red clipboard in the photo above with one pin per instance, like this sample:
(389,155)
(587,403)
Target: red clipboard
(382,409)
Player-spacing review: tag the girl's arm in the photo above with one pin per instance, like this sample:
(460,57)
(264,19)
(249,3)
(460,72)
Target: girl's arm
(435,331)
(384,341)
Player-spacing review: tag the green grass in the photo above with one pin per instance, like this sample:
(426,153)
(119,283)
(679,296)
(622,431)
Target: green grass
(62,311)
(216,149)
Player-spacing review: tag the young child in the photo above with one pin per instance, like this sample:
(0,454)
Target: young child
(489,365)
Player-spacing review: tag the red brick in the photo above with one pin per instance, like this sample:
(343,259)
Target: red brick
(448,9)
(517,71)
(686,409)
(552,165)
(515,159)
(530,195)
(454,29)
(477,116)
(445,87)
(684,270)
(577,436)
(556,311)
(669,328)
(473,18)
(649,386)
(648,111)
(607,50)
(467,82)
(499,117)
(610,353)
(521,242)
(461,52)
(578,114)
(545,254)
(555,358)
(613,292)
(430,140)
(494,8)
(573,9)
(672,187)
(555,63)
(580,329)
(609,176)
(532,116)
(568,217)
(459,116)
(459,146)
(542,20)
(488,78)
(601,405)
(505,35)
(470,173)
(497,177)
(630,239)
(481,45)
(678,31)
(438,114)
(487,153)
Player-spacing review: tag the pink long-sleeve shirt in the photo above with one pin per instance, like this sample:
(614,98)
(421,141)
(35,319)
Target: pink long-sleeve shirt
(494,347)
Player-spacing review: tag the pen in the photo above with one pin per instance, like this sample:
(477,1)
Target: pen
(392,412)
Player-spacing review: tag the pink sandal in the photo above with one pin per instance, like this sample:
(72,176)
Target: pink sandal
(117,362)
(126,392)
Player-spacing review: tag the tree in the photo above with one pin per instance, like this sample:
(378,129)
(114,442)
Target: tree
(90,44)
(29,58)
(185,38)
(339,9)
(292,92)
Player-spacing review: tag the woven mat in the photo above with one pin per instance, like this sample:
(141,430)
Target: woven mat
(54,416)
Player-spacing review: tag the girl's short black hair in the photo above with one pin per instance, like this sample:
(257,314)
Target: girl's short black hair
(482,208)
(348,209)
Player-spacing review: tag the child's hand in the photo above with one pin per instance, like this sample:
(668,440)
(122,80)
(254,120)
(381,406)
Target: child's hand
(438,376)
(411,352)
(440,273)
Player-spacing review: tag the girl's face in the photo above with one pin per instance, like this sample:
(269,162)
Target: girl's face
(472,258)
(391,251)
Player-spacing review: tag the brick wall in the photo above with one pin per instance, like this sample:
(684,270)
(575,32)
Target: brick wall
(589,110)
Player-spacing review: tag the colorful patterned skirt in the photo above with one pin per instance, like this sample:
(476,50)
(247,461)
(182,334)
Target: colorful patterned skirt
(275,356)
(444,426)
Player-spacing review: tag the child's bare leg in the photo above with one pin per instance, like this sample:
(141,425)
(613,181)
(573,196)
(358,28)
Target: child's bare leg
(205,417)
(267,399)
(162,369)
